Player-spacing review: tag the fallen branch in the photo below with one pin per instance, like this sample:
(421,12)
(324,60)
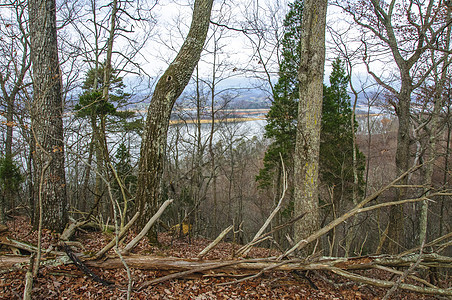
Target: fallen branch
(188,272)
(70,230)
(405,274)
(390,270)
(269,268)
(24,246)
(388,284)
(302,243)
(256,267)
(215,242)
(146,228)
(121,234)
(13,263)
(84,268)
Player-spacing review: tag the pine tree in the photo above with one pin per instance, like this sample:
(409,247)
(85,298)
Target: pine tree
(98,109)
(91,102)
(124,166)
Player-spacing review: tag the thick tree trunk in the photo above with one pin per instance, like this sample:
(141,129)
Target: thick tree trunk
(167,90)
(47,113)
(306,156)
(395,237)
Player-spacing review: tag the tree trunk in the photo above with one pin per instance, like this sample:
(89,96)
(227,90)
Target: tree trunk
(394,240)
(47,113)
(438,103)
(167,90)
(306,156)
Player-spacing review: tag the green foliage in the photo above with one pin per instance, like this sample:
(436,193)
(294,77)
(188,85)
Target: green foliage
(91,101)
(281,119)
(123,165)
(116,89)
(135,125)
(10,176)
(336,136)
(336,149)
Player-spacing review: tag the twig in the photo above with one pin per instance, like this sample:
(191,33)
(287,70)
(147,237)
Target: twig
(116,206)
(129,274)
(41,183)
(245,249)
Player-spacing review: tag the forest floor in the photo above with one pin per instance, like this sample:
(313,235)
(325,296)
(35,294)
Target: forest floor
(68,282)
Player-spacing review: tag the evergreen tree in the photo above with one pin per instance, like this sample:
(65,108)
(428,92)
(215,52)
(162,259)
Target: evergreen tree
(99,110)
(336,159)
(10,180)
(91,102)
(124,166)
(281,119)
(336,137)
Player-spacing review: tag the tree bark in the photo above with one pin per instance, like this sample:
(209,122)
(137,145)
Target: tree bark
(306,156)
(167,90)
(47,113)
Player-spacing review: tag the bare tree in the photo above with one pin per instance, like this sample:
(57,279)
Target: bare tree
(406,31)
(167,90)
(14,66)
(47,114)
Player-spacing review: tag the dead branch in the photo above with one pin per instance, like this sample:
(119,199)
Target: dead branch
(391,270)
(247,265)
(84,268)
(430,244)
(11,263)
(266,236)
(215,242)
(70,230)
(146,228)
(121,234)
(24,246)
(185,273)
(405,274)
(269,268)
(388,284)
(253,268)
(302,243)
